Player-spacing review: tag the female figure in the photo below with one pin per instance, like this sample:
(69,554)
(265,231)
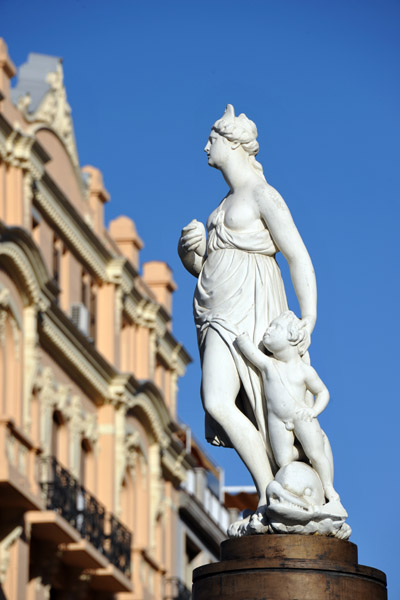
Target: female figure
(240,289)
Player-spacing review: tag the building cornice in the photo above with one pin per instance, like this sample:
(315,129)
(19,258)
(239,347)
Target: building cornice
(21,148)
(85,366)
(24,150)
(66,220)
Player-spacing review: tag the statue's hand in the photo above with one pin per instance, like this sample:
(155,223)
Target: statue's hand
(306,414)
(193,238)
(306,327)
(242,336)
(241,339)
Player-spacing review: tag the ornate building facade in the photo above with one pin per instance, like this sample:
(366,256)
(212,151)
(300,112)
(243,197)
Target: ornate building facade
(103,494)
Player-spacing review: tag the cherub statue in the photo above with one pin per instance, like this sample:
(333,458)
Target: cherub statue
(286,379)
(296,497)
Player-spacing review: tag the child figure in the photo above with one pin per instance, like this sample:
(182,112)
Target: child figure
(286,379)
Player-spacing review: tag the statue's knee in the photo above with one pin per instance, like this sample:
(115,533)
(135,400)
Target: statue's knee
(284,459)
(213,408)
(315,459)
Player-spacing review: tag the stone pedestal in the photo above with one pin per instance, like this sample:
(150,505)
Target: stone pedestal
(288,567)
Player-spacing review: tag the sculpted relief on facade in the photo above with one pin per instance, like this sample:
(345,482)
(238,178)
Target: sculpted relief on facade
(261,395)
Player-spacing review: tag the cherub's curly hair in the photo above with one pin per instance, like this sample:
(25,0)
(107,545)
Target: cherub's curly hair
(295,334)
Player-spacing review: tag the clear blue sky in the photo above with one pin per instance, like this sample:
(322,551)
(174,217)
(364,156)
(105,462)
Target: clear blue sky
(146,80)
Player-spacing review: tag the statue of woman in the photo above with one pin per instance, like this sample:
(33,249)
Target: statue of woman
(240,289)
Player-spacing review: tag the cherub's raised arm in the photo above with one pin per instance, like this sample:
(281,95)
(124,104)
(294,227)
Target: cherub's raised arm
(317,387)
(251,352)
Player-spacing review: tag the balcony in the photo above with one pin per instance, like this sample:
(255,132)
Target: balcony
(118,546)
(65,496)
(79,526)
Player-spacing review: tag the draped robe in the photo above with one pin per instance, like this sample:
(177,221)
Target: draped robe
(239,289)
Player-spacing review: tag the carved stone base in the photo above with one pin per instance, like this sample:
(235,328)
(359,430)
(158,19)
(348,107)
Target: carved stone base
(288,567)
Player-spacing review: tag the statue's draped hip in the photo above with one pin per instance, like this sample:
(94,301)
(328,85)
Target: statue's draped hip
(239,289)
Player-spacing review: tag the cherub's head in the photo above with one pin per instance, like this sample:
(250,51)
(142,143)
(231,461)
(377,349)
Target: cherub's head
(283,331)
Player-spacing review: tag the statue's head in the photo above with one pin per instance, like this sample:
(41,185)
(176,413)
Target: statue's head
(237,132)
(238,129)
(283,331)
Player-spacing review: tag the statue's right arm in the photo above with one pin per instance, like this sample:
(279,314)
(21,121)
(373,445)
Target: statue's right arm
(251,352)
(192,247)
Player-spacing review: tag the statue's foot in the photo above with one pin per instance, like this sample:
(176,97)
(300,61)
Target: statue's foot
(331,494)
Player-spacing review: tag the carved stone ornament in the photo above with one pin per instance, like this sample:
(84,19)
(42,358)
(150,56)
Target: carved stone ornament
(8,311)
(260,394)
(5,549)
(40,95)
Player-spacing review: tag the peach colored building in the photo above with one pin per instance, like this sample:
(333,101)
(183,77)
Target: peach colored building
(103,494)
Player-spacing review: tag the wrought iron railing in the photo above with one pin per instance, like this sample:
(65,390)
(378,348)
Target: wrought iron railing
(66,496)
(118,546)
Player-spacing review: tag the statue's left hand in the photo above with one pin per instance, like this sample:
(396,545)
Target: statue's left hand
(306,414)
(306,326)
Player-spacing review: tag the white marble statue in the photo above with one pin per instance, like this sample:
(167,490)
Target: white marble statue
(296,493)
(240,289)
(286,378)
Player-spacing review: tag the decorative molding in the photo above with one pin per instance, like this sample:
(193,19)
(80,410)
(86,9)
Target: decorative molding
(142,402)
(45,385)
(173,466)
(69,351)
(7,308)
(134,308)
(59,215)
(5,550)
(21,149)
(58,396)
(53,111)
(133,445)
(27,199)
(24,268)
(31,363)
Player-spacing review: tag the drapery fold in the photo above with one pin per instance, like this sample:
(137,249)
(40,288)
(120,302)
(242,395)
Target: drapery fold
(239,289)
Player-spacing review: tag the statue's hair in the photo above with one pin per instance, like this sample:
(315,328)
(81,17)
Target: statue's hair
(243,130)
(295,333)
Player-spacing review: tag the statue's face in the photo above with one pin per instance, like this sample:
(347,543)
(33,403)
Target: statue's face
(276,336)
(217,150)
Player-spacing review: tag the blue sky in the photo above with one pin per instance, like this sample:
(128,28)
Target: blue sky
(146,80)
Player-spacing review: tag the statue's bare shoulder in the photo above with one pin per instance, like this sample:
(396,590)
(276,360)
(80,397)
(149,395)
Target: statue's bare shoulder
(277,217)
(268,198)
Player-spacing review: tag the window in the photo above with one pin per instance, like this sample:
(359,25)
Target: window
(55,433)
(56,258)
(92,312)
